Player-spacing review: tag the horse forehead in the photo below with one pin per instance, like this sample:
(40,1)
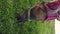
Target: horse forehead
(36,7)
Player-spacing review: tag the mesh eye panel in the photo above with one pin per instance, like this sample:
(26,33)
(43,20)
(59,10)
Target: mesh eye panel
(59,12)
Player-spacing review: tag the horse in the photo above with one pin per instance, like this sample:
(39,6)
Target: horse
(40,12)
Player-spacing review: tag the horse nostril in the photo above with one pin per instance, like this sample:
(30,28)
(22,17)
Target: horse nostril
(20,19)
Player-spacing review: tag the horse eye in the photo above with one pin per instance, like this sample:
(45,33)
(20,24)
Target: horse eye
(59,12)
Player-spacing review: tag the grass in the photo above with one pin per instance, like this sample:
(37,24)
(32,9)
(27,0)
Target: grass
(9,24)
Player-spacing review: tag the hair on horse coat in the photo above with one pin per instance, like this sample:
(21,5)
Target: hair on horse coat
(37,12)
(40,12)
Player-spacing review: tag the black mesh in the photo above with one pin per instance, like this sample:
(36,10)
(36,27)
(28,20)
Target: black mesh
(59,12)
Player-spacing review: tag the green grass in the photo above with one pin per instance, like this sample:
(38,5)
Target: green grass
(9,24)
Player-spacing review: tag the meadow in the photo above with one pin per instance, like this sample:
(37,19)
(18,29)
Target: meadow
(10,25)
